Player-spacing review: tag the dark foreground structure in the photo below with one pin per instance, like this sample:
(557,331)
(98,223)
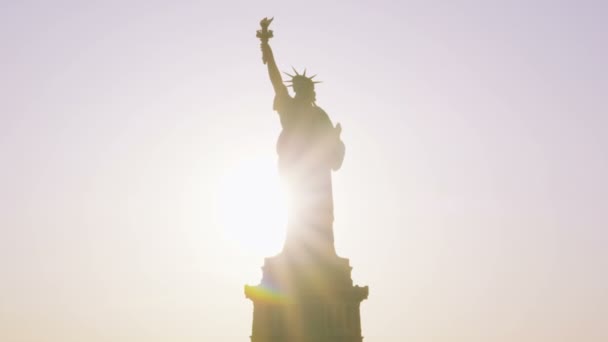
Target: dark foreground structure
(306,293)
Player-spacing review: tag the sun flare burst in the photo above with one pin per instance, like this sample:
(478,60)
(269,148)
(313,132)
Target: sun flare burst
(252,210)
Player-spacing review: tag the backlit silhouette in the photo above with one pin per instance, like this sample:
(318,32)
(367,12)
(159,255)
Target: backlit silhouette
(306,292)
(309,147)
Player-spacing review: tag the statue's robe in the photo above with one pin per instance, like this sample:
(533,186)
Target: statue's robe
(308,150)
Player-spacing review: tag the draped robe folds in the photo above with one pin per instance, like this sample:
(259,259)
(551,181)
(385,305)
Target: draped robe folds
(308,148)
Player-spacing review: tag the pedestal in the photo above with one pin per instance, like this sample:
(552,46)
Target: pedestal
(306,297)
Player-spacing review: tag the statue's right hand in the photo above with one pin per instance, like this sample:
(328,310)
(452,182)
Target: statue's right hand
(264,47)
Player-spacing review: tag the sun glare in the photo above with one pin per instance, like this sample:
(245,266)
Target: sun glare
(251,207)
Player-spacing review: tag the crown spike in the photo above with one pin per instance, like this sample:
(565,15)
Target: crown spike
(296,71)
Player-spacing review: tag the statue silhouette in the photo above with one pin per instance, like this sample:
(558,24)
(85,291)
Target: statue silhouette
(309,148)
(306,293)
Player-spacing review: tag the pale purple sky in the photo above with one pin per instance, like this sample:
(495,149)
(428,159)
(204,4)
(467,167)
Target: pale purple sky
(473,199)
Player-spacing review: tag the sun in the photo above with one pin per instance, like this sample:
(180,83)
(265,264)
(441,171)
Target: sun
(252,210)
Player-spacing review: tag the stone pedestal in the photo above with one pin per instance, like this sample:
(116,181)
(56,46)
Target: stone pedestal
(306,297)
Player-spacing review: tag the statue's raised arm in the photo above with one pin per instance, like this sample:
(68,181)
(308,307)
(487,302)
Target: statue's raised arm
(268,58)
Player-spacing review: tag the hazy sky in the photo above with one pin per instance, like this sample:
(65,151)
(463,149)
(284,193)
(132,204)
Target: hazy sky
(473,199)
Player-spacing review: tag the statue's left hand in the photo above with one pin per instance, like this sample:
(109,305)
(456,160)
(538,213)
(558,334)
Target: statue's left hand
(338,151)
(338,130)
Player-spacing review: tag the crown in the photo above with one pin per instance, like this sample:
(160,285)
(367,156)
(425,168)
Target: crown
(300,80)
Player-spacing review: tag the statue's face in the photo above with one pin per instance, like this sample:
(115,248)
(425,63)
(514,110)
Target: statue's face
(304,88)
(311,95)
(307,95)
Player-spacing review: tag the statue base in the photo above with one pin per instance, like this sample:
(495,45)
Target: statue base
(306,297)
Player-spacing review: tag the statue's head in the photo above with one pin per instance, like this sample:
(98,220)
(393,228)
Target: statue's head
(303,86)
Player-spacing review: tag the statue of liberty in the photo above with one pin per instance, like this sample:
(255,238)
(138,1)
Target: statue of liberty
(309,148)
